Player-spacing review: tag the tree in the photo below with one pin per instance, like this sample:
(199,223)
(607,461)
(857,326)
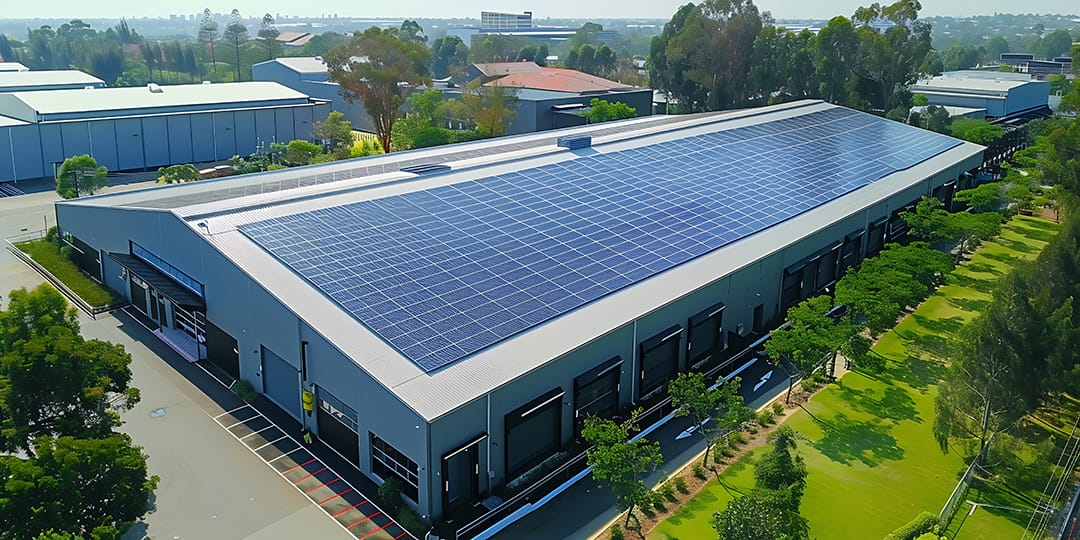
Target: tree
(237,34)
(80,175)
(693,400)
(976,130)
(373,67)
(492,107)
(334,133)
(835,51)
(602,110)
(978,398)
(208,33)
(31,314)
(175,174)
(884,285)
(269,33)
(983,198)
(411,31)
(620,463)
(90,487)
(320,44)
(449,57)
(771,510)
(888,62)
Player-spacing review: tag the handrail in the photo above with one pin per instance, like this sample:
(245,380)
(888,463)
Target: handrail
(74,298)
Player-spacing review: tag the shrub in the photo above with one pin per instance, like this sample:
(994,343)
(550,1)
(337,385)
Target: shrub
(52,234)
(390,494)
(922,524)
(777,408)
(735,438)
(616,533)
(668,491)
(244,390)
(752,429)
(680,484)
(412,521)
(658,503)
(765,417)
(275,167)
(699,471)
(808,385)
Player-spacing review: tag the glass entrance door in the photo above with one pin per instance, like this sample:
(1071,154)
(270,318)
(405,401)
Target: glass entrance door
(461,476)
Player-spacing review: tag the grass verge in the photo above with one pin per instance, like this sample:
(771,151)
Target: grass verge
(46,254)
(872,460)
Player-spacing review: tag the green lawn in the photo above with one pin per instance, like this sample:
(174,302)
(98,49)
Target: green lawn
(872,459)
(46,254)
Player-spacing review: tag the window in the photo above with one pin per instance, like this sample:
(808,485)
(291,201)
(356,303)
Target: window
(338,410)
(704,335)
(596,393)
(659,360)
(533,433)
(153,260)
(387,462)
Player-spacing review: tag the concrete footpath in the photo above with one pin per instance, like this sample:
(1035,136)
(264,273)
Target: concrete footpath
(585,508)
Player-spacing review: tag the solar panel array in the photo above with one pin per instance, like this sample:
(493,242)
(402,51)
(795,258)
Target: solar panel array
(445,272)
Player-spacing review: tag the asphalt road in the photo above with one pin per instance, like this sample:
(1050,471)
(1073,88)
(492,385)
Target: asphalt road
(211,486)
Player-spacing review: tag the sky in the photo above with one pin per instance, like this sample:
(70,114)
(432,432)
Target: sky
(781,9)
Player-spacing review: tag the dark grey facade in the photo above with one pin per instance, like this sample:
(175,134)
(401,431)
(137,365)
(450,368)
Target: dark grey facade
(454,434)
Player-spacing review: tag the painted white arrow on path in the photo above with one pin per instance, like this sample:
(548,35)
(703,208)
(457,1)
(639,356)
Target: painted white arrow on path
(764,379)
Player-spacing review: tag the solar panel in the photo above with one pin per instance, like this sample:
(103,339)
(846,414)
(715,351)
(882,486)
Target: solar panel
(445,272)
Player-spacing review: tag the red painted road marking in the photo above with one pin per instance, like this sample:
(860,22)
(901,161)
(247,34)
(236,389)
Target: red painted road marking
(376,530)
(322,485)
(309,475)
(363,520)
(349,508)
(403,533)
(308,462)
(320,503)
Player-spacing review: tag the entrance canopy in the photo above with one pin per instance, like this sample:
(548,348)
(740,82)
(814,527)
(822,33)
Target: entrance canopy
(160,281)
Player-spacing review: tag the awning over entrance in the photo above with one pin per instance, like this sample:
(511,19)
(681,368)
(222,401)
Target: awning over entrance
(158,280)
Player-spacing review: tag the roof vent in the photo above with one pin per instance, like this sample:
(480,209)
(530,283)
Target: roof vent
(154,88)
(318,58)
(426,168)
(206,82)
(88,88)
(574,142)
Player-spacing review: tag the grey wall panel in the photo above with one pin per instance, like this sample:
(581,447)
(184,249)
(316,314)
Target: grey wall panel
(202,137)
(103,135)
(286,128)
(27,151)
(246,142)
(224,136)
(265,127)
(52,146)
(129,144)
(302,122)
(76,137)
(7,154)
(156,141)
(180,147)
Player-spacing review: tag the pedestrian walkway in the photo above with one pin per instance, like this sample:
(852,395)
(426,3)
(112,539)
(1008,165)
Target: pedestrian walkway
(310,475)
(9,190)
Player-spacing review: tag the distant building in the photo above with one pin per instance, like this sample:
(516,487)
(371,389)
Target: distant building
(310,76)
(29,81)
(493,20)
(12,66)
(553,98)
(1037,69)
(1001,97)
(294,40)
(142,128)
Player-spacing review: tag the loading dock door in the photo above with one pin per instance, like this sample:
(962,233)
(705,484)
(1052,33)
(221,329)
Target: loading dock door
(337,426)
(281,382)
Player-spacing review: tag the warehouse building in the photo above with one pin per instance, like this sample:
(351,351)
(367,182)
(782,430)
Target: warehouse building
(60,79)
(12,66)
(458,311)
(128,129)
(1002,95)
(310,76)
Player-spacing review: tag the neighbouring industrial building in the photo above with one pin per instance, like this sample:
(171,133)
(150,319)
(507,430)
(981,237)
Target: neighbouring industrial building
(554,98)
(1002,95)
(459,311)
(13,66)
(61,79)
(128,129)
(309,75)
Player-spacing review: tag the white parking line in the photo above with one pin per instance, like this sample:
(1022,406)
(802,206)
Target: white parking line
(269,443)
(257,432)
(284,454)
(232,411)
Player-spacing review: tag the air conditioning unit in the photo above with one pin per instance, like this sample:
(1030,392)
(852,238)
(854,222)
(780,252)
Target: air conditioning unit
(154,88)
